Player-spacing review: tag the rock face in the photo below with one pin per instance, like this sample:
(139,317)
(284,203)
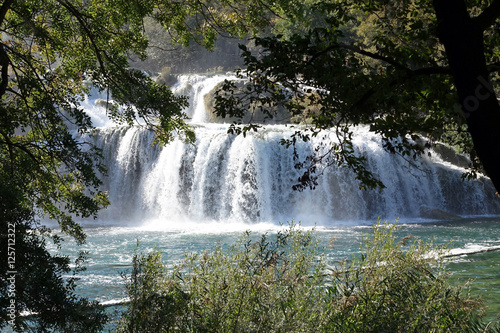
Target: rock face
(253,113)
(167,79)
(450,155)
(103,103)
(437,214)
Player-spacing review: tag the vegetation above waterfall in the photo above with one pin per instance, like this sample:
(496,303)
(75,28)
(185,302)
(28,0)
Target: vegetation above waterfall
(284,283)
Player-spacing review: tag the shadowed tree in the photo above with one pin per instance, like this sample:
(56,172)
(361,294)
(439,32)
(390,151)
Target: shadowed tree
(462,37)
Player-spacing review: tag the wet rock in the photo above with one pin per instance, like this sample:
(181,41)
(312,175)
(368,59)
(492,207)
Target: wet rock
(449,155)
(437,214)
(103,103)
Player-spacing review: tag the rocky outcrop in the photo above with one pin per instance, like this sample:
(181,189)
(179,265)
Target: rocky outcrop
(103,103)
(437,214)
(167,79)
(253,112)
(449,155)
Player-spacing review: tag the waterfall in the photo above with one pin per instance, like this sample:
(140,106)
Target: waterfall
(249,179)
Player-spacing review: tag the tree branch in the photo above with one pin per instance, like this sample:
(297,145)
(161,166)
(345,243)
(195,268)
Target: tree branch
(494,67)
(410,72)
(409,75)
(4,9)
(429,71)
(488,16)
(355,49)
(4,63)
(84,26)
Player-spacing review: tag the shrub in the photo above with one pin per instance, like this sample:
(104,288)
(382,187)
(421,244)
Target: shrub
(392,287)
(282,283)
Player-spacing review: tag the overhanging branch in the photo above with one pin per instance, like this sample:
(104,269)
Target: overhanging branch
(4,63)
(410,72)
(494,67)
(408,76)
(357,50)
(85,27)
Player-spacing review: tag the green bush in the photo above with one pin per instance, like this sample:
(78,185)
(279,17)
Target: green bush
(282,283)
(392,287)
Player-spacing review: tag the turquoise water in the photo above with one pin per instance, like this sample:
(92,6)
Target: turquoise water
(111,248)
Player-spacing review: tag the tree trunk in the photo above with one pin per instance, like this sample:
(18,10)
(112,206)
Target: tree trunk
(462,38)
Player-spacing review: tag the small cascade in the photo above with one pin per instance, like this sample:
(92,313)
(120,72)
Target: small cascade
(249,179)
(196,86)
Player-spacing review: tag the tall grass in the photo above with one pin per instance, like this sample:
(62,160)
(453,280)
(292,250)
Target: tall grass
(283,283)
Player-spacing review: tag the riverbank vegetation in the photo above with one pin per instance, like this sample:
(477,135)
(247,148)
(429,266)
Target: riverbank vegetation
(286,283)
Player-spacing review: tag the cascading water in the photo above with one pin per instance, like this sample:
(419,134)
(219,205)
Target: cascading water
(234,178)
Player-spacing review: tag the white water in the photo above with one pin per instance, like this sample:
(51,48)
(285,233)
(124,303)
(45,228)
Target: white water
(230,179)
(196,87)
